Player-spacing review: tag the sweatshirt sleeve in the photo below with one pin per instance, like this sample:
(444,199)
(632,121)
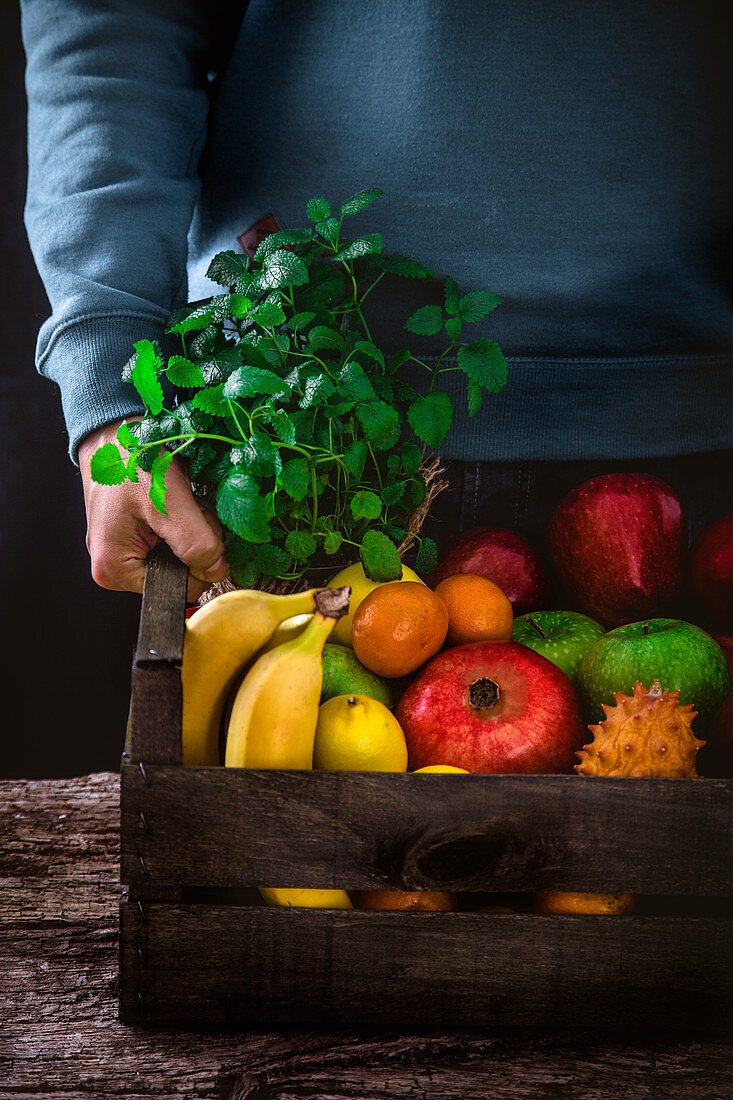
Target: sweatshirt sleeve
(118,97)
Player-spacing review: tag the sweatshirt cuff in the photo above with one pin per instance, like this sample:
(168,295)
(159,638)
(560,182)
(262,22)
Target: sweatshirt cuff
(85,358)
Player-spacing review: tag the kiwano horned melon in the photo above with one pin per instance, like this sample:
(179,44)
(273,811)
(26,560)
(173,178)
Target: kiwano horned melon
(645,734)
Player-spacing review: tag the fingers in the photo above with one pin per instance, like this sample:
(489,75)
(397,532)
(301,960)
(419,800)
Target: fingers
(192,532)
(123,526)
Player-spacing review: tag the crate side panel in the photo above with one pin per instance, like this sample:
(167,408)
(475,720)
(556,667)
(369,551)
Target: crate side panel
(231,827)
(264,967)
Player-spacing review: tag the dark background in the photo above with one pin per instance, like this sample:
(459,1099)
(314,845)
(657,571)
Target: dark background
(65,671)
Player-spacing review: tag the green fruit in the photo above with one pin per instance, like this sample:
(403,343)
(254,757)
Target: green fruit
(344,674)
(564,637)
(681,656)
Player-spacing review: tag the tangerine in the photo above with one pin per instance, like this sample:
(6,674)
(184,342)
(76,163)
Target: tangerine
(435,900)
(561,901)
(478,610)
(398,627)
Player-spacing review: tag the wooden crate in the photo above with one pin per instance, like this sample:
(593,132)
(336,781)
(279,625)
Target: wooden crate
(197,948)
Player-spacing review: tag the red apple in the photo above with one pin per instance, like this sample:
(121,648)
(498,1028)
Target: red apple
(716,758)
(507,558)
(492,707)
(618,543)
(710,567)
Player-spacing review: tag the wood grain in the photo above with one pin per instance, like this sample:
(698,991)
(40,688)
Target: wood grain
(234,827)
(162,618)
(60,1037)
(185,963)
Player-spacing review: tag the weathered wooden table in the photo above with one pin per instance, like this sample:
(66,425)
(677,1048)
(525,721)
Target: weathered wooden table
(59,1034)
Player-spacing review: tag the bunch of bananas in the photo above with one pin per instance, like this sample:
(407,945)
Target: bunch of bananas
(274,711)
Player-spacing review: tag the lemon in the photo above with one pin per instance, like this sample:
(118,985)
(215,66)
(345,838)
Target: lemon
(440,768)
(361,586)
(358,734)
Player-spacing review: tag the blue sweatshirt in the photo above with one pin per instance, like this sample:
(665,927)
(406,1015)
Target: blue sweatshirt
(573,158)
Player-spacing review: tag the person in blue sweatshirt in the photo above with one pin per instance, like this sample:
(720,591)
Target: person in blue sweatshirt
(574,158)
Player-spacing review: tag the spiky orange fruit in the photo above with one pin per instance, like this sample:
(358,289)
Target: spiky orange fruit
(645,734)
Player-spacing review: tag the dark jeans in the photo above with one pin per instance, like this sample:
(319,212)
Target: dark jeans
(522,495)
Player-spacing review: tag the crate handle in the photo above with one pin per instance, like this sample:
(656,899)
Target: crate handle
(154,724)
(458,857)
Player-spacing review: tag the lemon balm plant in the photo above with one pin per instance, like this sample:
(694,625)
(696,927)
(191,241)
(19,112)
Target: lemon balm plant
(299,430)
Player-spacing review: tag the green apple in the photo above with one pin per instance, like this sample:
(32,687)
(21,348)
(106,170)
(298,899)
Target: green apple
(681,656)
(564,637)
(344,674)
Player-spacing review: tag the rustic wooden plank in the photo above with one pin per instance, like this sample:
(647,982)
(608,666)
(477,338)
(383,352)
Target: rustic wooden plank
(232,827)
(162,618)
(60,1037)
(358,968)
(154,723)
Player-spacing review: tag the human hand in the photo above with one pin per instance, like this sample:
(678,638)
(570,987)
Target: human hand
(123,526)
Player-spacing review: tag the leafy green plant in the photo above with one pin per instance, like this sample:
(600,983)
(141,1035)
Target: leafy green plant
(294,424)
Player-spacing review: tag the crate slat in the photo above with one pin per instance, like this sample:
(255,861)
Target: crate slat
(235,827)
(265,967)
(162,618)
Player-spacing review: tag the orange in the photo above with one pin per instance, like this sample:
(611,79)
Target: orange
(478,610)
(559,901)
(398,627)
(406,899)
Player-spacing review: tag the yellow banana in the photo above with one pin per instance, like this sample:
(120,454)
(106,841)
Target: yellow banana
(218,641)
(274,717)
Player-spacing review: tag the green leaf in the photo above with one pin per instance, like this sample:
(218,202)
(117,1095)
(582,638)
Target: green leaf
(226,267)
(300,544)
(158,471)
(416,491)
(269,314)
(380,423)
(427,556)
(241,507)
(237,305)
(107,466)
(126,437)
(353,383)
(362,246)
(371,351)
(284,238)
(295,478)
(475,306)
(283,269)
(453,327)
(405,268)
(247,381)
(380,558)
(258,456)
(219,365)
(452,296)
(145,376)
(204,342)
(360,201)
(426,321)
(316,391)
(411,456)
(283,425)
(211,401)
(271,560)
(191,318)
(482,361)
(332,542)
(199,457)
(366,505)
(317,209)
(182,372)
(430,418)
(323,338)
(300,320)
(355,456)
(475,397)
(391,494)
